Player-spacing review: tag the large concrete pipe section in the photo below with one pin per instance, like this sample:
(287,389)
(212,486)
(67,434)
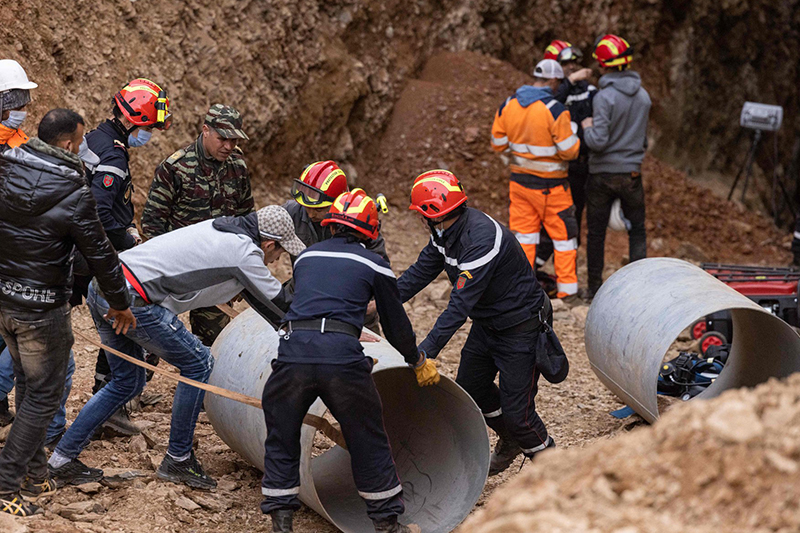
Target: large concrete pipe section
(640,311)
(438,435)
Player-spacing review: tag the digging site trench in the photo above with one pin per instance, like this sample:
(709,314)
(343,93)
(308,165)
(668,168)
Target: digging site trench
(391,89)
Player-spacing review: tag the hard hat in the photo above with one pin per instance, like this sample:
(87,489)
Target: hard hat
(552,50)
(570,53)
(144,104)
(612,51)
(12,76)
(436,193)
(616,219)
(319,185)
(356,210)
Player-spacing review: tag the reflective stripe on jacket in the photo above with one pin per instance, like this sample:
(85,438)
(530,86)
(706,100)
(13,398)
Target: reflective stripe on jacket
(535,129)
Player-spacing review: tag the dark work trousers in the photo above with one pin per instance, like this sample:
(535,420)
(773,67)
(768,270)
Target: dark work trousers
(796,243)
(512,404)
(207,323)
(350,394)
(39,343)
(578,176)
(601,191)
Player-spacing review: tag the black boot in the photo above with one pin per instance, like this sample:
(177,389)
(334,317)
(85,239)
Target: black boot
(6,416)
(391,525)
(282,520)
(506,449)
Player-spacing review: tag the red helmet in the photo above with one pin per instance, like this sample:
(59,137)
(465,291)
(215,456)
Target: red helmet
(144,103)
(552,50)
(436,193)
(612,51)
(321,183)
(356,210)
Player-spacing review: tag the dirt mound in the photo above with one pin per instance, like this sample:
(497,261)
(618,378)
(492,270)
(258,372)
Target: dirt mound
(444,118)
(726,464)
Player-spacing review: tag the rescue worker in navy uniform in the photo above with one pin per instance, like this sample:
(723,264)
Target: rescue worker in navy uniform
(138,108)
(320,356)
(494,284)
(577,94)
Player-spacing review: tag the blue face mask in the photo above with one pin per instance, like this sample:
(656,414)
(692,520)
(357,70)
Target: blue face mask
(142,136)
(15,119)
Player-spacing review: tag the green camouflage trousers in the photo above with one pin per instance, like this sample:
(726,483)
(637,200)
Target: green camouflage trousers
(207,323)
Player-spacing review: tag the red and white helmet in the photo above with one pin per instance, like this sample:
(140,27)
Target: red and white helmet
(436,193)
(320,184)
(612,51)
(355,210)
(144,104)
(554,48)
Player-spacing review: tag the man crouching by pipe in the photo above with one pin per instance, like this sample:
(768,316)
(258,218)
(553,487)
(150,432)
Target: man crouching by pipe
(202,265)
(320,356)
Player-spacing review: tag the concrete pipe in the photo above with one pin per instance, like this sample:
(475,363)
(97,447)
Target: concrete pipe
(640,311)
(438,435)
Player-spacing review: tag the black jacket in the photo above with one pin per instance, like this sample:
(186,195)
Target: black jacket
(312,232)
(46,210)
(492,280)
(577,97)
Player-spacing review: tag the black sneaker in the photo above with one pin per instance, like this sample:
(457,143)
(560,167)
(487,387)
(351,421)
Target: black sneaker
(6,415)
(32,490)
(14,505)
(188,472)
(75,473)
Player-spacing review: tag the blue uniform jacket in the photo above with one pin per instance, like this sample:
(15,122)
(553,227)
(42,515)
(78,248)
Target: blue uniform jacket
(111,183)
(492,280)
(336,279)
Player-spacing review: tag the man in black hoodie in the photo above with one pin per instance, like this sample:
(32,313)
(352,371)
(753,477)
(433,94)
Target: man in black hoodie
(46,210)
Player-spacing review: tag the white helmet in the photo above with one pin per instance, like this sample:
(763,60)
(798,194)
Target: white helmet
(617,220)
(12,76)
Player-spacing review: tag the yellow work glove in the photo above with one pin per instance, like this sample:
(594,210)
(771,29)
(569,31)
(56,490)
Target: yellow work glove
(426,373)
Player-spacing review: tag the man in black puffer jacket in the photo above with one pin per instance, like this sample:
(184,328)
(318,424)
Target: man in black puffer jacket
(46,210)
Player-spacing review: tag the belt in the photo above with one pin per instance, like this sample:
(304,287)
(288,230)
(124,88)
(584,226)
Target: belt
(535,323)
(136,300)
(323,325)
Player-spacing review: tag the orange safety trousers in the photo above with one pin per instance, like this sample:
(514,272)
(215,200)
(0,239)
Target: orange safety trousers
(530,210)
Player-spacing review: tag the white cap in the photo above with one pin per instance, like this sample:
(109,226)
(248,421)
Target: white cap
(12,76)
(548,69)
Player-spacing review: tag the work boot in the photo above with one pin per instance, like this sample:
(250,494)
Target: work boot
(32,490)
(120,424)
(6,415)
(74,473)
(282,520)
(572,300)
(391,525)
(15,505)
(503,455)
(188,472)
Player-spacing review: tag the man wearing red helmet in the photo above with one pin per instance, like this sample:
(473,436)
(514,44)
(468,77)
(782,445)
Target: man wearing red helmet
(616,135)
(314,193)
(320,356)
(494,284)
(138,108)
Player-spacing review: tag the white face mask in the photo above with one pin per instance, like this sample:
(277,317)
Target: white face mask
(439,231)
(88,157)
(142,136)
(15,119)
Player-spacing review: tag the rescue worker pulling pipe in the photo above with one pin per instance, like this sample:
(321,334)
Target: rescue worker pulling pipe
(494,284)
(320,356)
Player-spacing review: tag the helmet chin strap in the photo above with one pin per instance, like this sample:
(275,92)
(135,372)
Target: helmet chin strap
(451,215)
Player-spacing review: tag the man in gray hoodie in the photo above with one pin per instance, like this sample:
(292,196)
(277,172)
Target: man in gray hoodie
(616,135)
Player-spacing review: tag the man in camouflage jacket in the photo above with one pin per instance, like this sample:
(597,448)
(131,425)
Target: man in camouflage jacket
(207,179)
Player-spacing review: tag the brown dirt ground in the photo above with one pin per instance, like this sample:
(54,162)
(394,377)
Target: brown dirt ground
(443,119)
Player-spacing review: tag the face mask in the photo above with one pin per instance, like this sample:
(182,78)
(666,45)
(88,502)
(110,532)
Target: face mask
(15,119)
(439,232)
(88,157)
(142,136)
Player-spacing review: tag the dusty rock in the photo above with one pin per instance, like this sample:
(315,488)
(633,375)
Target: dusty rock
(80,508)
(89,488)
(138,444)
(736,421)
(9,524)
(185,503)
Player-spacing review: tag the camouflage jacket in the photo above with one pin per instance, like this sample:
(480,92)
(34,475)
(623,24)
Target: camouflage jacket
(190,187)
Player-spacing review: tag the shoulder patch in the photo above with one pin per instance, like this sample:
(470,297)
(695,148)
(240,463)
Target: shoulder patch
(108,181)
(176,156)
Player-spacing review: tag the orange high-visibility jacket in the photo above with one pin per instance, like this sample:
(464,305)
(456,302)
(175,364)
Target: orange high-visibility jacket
(535,129)
(12,137)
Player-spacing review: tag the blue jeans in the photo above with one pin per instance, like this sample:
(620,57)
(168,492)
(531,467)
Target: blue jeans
(158,331)
(59,422)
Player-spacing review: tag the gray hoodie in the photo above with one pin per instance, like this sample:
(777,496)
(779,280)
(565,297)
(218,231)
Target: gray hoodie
(618,138)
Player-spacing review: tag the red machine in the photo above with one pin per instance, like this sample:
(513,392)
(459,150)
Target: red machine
(773,288)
